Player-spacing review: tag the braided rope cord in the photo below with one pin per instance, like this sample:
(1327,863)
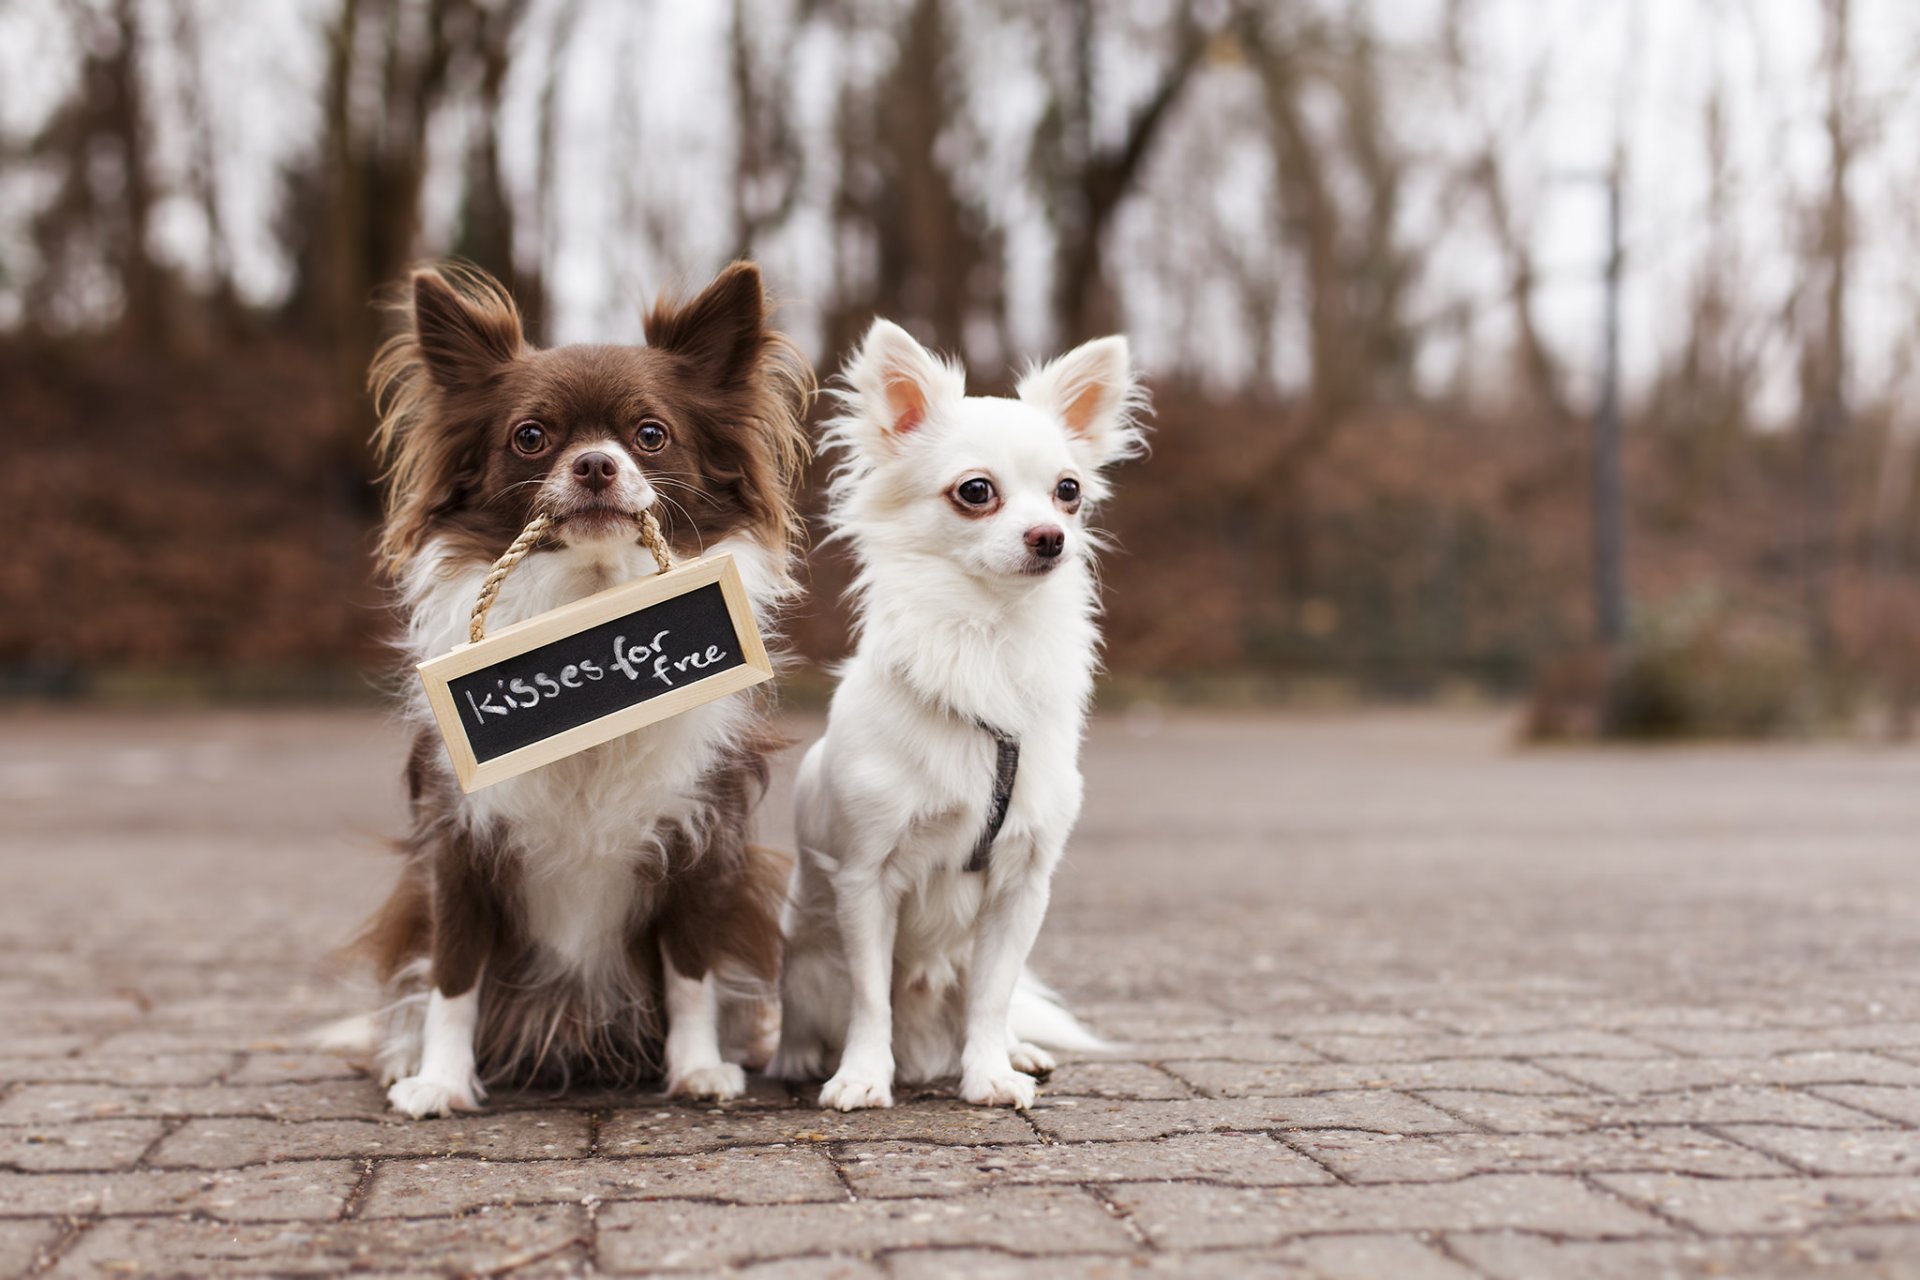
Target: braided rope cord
(536,529)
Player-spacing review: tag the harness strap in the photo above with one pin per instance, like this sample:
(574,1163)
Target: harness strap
(1006,766)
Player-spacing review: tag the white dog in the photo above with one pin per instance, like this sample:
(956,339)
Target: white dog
(933,813)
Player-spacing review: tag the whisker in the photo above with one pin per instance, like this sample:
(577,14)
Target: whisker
(684,488)
(508,491)
(670,478)
(701,542)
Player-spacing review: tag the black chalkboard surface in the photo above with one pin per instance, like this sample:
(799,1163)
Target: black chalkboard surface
(587,672)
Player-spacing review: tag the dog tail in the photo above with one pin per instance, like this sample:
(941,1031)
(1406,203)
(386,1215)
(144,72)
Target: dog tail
(353,1037)
(1038,1015)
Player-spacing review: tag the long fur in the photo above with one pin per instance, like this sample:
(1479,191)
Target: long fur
(959,625)
(561,895)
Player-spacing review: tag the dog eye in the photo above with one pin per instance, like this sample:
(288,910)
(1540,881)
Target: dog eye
(530,438)
(650,435)
(977,492)
(1067,490)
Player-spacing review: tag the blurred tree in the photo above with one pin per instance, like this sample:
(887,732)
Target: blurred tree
(1084,179)
(926,255)
(1339,215)
(1823,363)
(536,303)
(485,234)
(1338,193)
(354,210)
(96,145)
(204,177)
(769,162)
(1700,405)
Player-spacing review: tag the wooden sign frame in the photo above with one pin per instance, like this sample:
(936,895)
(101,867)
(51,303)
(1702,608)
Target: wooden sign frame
(438,674)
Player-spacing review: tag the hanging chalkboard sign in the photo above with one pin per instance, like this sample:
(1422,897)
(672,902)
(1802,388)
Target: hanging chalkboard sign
(587,672)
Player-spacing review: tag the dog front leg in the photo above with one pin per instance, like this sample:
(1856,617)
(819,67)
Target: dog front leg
(446,1082)
(1008,923)
(695,1068)
(465,924)
(869,919)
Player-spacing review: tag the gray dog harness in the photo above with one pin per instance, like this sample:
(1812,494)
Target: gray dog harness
(1006,766)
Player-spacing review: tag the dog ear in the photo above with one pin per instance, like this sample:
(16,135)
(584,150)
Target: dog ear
(1093,391)
(721,331)
(899,382)
(465,332)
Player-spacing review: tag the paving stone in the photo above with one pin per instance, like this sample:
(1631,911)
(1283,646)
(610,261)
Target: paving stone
(689,1235)
(1181,1030)
(525,1135)
(330,1099)
(817,1268)
(1864,1151)
(262,1193)
(1248,1045)
(1773,1206)
(1270,1080)
(1179,1215)
(1381,1157)
(1517,1113)
(169,1247)
(84,1144)
(1902,1105)
(1427,1048)
(1082,1120)
(24,1241)
(1359,1022)
(75,1015)
(167,1041)
(116,1069)
(681,1130)
(1869,1253)
(991,1264)
(1758,1042)
(908,1169)
(1094,1079)
(424,1188)
(1373,1257)
(291,1068)
(1658,1075)
(1624,1016)
(45,1045)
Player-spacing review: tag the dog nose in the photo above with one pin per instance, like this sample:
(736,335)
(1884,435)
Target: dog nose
(1046,540)
(596,470)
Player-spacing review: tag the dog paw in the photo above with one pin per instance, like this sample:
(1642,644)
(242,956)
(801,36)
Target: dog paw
(849,1092)
(718,1082)
(423,1096)
(1032,1059)
(997,1089)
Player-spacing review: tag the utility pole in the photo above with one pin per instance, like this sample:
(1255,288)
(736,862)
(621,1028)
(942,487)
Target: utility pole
(1825,366)
(1606,489)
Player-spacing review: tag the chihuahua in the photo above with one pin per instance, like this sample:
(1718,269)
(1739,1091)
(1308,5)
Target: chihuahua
(602,917)
(932,814)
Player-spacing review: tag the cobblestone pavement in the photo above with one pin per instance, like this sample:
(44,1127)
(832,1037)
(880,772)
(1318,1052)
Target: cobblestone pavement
(1397,1001)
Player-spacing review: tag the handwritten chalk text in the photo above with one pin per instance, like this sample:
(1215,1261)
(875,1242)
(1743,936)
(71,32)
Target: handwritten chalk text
(640,660)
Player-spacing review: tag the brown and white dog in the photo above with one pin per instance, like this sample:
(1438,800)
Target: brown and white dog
(602,917)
